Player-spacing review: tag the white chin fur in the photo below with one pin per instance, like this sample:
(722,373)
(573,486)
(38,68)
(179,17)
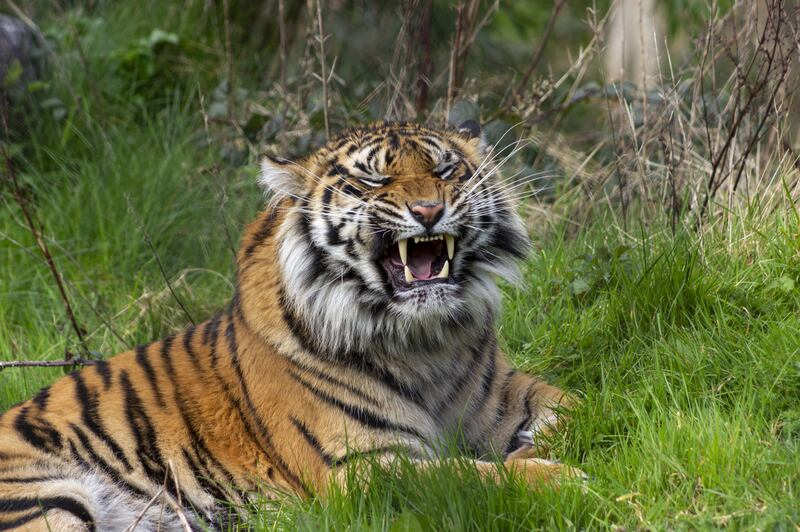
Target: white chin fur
(337,314)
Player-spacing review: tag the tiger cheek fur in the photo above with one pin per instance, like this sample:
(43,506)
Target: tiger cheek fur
(362,323)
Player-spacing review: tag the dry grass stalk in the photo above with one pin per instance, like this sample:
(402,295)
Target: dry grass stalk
(156,256)
(36,232)
(321,38)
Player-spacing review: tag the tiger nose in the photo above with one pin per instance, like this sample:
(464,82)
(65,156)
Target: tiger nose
(427,212)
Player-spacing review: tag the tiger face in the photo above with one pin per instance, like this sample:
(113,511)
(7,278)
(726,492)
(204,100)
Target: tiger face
(394,235)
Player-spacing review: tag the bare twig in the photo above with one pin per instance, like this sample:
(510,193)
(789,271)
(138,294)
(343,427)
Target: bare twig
(423,38)
(146,507)
(465,24)
(47,363)
(226,16)
(179,507)
(324,78)
(19,197)
(536,58)
(282,38)
(164,275)
(539,51)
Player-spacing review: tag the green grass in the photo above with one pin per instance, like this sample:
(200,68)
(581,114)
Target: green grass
(686,350)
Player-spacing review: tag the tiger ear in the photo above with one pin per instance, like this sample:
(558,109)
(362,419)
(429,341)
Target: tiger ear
(470,128)
(281,176)
(471,131)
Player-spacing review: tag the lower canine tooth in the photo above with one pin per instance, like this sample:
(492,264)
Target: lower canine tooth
(445,273)
(409,275)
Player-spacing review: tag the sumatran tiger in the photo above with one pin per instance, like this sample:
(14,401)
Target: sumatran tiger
(362,324)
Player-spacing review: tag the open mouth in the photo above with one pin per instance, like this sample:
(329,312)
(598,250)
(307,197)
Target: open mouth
(420,260)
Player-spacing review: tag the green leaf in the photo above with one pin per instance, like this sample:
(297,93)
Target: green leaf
(579,286)
(13,74)
(784,283)
(406,522)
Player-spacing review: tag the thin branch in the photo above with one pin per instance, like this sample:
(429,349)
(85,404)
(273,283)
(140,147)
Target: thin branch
(425,65)
(37,234)
(539,52)
(282,39)
(321,39)
(47,363)
(455,54)
(144,510)
(228,55)
(158,261)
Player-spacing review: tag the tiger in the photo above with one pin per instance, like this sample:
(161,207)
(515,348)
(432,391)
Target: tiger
(362,325)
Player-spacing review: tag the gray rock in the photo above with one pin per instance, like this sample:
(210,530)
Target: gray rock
(21,55)
(462,111)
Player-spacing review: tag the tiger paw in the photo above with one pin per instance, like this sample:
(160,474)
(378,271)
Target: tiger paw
(548,422)
(538,471)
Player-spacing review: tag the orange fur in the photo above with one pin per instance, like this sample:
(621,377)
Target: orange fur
(240,404)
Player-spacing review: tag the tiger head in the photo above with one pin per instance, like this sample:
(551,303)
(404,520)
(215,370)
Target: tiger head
(391,238)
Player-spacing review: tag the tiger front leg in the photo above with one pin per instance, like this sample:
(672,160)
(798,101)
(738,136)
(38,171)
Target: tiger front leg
(522,411)
(523,462)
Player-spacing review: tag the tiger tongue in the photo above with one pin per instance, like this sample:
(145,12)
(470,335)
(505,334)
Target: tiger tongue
(420,262)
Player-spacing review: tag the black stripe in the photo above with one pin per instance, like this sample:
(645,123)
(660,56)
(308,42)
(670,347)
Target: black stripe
(362,415)
(38,432)
(514,442)
(90,418)
(97,460)
(41,398)
(146,436)
(198,443)
(144,361)
(488,378)
(466,375)
(359,361)
(326,198)
(502,404)
(188,336)
(166,358)
(264,232)
(66,504)
(312,440)
(349,457)
(353,191)
(213,339)
(391,214)
(18,522)
(332,234)
(205,479)
(339,170)
(316,268)
(103,369)
(211,325)
(332,381)
(230,334)
(266,446)
(15,480)
(147,450)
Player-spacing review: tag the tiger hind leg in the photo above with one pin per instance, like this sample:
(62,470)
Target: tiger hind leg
(83,502)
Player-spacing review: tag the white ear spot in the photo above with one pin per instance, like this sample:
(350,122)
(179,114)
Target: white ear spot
(279,177)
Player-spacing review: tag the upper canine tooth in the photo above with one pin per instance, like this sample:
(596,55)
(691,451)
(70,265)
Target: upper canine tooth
(451,245)
(403,246)
(409,275)
(445,273)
